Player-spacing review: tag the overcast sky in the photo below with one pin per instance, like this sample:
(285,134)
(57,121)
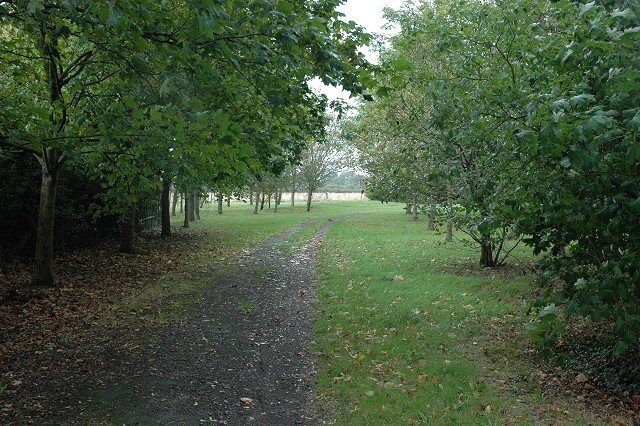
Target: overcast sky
(367,13)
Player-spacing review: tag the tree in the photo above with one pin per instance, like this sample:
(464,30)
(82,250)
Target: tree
(585,137)
(88,87)
(321,159)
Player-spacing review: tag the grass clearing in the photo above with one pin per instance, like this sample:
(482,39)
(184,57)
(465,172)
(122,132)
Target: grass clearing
(411,331)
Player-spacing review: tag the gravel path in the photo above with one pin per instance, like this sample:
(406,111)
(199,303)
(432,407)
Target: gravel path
(241,358)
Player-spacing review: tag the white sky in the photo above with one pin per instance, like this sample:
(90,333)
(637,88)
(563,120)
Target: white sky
(368,14)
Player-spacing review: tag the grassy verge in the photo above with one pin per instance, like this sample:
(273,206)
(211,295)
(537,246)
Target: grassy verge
(412,331)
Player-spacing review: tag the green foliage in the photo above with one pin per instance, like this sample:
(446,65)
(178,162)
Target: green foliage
(526,114)
(189,92)
(588,139)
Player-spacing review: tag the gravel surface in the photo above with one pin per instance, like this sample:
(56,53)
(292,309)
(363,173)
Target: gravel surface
(240,358)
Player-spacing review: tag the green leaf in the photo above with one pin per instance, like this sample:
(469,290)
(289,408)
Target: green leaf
(581,100)
(551,309)
(549,133)
(35,6)
(284,7)
(584,8)
(626,13)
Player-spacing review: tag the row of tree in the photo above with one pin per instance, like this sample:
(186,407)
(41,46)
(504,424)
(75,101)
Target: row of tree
(143,95)
(523,116)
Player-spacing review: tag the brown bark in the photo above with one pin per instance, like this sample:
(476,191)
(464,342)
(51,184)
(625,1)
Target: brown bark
(309,196)
(449,236)
(220,202)
(164,208)
(196,207)
(192,211)
(187,218)
(175,202)
(432,217)
(257,203)
(43,268)
(486,252)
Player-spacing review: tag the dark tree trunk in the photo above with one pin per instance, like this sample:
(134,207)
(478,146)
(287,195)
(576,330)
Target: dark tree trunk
(51,161)
(251,198)
(164,208)
(263,199)
(187,221)
(432,217)
(43,268)
(293,188)
(192,211)
(220,202)
(415,206)
(486,254)
(407,200)
(257,203)
(196,206)
(279,200)
(229,201)
(309,196)
(278,195)
(449,236)
(127,232)
(175,202)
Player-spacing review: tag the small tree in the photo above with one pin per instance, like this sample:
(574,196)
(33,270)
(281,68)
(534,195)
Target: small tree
(322,159)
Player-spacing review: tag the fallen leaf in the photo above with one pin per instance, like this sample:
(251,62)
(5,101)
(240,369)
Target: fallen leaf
(580,378)
(398,278)
(246,400)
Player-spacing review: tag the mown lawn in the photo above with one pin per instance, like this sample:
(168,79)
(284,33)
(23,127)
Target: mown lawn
(411,330)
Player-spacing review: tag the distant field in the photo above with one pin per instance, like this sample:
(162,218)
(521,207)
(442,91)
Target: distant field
(327,196)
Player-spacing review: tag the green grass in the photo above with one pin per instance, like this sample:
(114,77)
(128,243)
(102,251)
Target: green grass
(238,227)
(412,331)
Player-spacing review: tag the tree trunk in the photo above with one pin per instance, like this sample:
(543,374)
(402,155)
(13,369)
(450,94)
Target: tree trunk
(293,188)
(309,196)
(486,254)
(192,211)
(251,197)
(278,195)
(432,217)
(228,200)
(220,202)
(186,211)
(407,199)
(257,203)
(127,232)
(449,236)
(164,206)
(279,200)
(175,202)
(269,201)
(263,199)
(51,161)
(196,206)
(43,268)
(415,206)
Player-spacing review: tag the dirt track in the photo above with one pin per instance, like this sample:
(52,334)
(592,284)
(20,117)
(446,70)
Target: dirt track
(240,358)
